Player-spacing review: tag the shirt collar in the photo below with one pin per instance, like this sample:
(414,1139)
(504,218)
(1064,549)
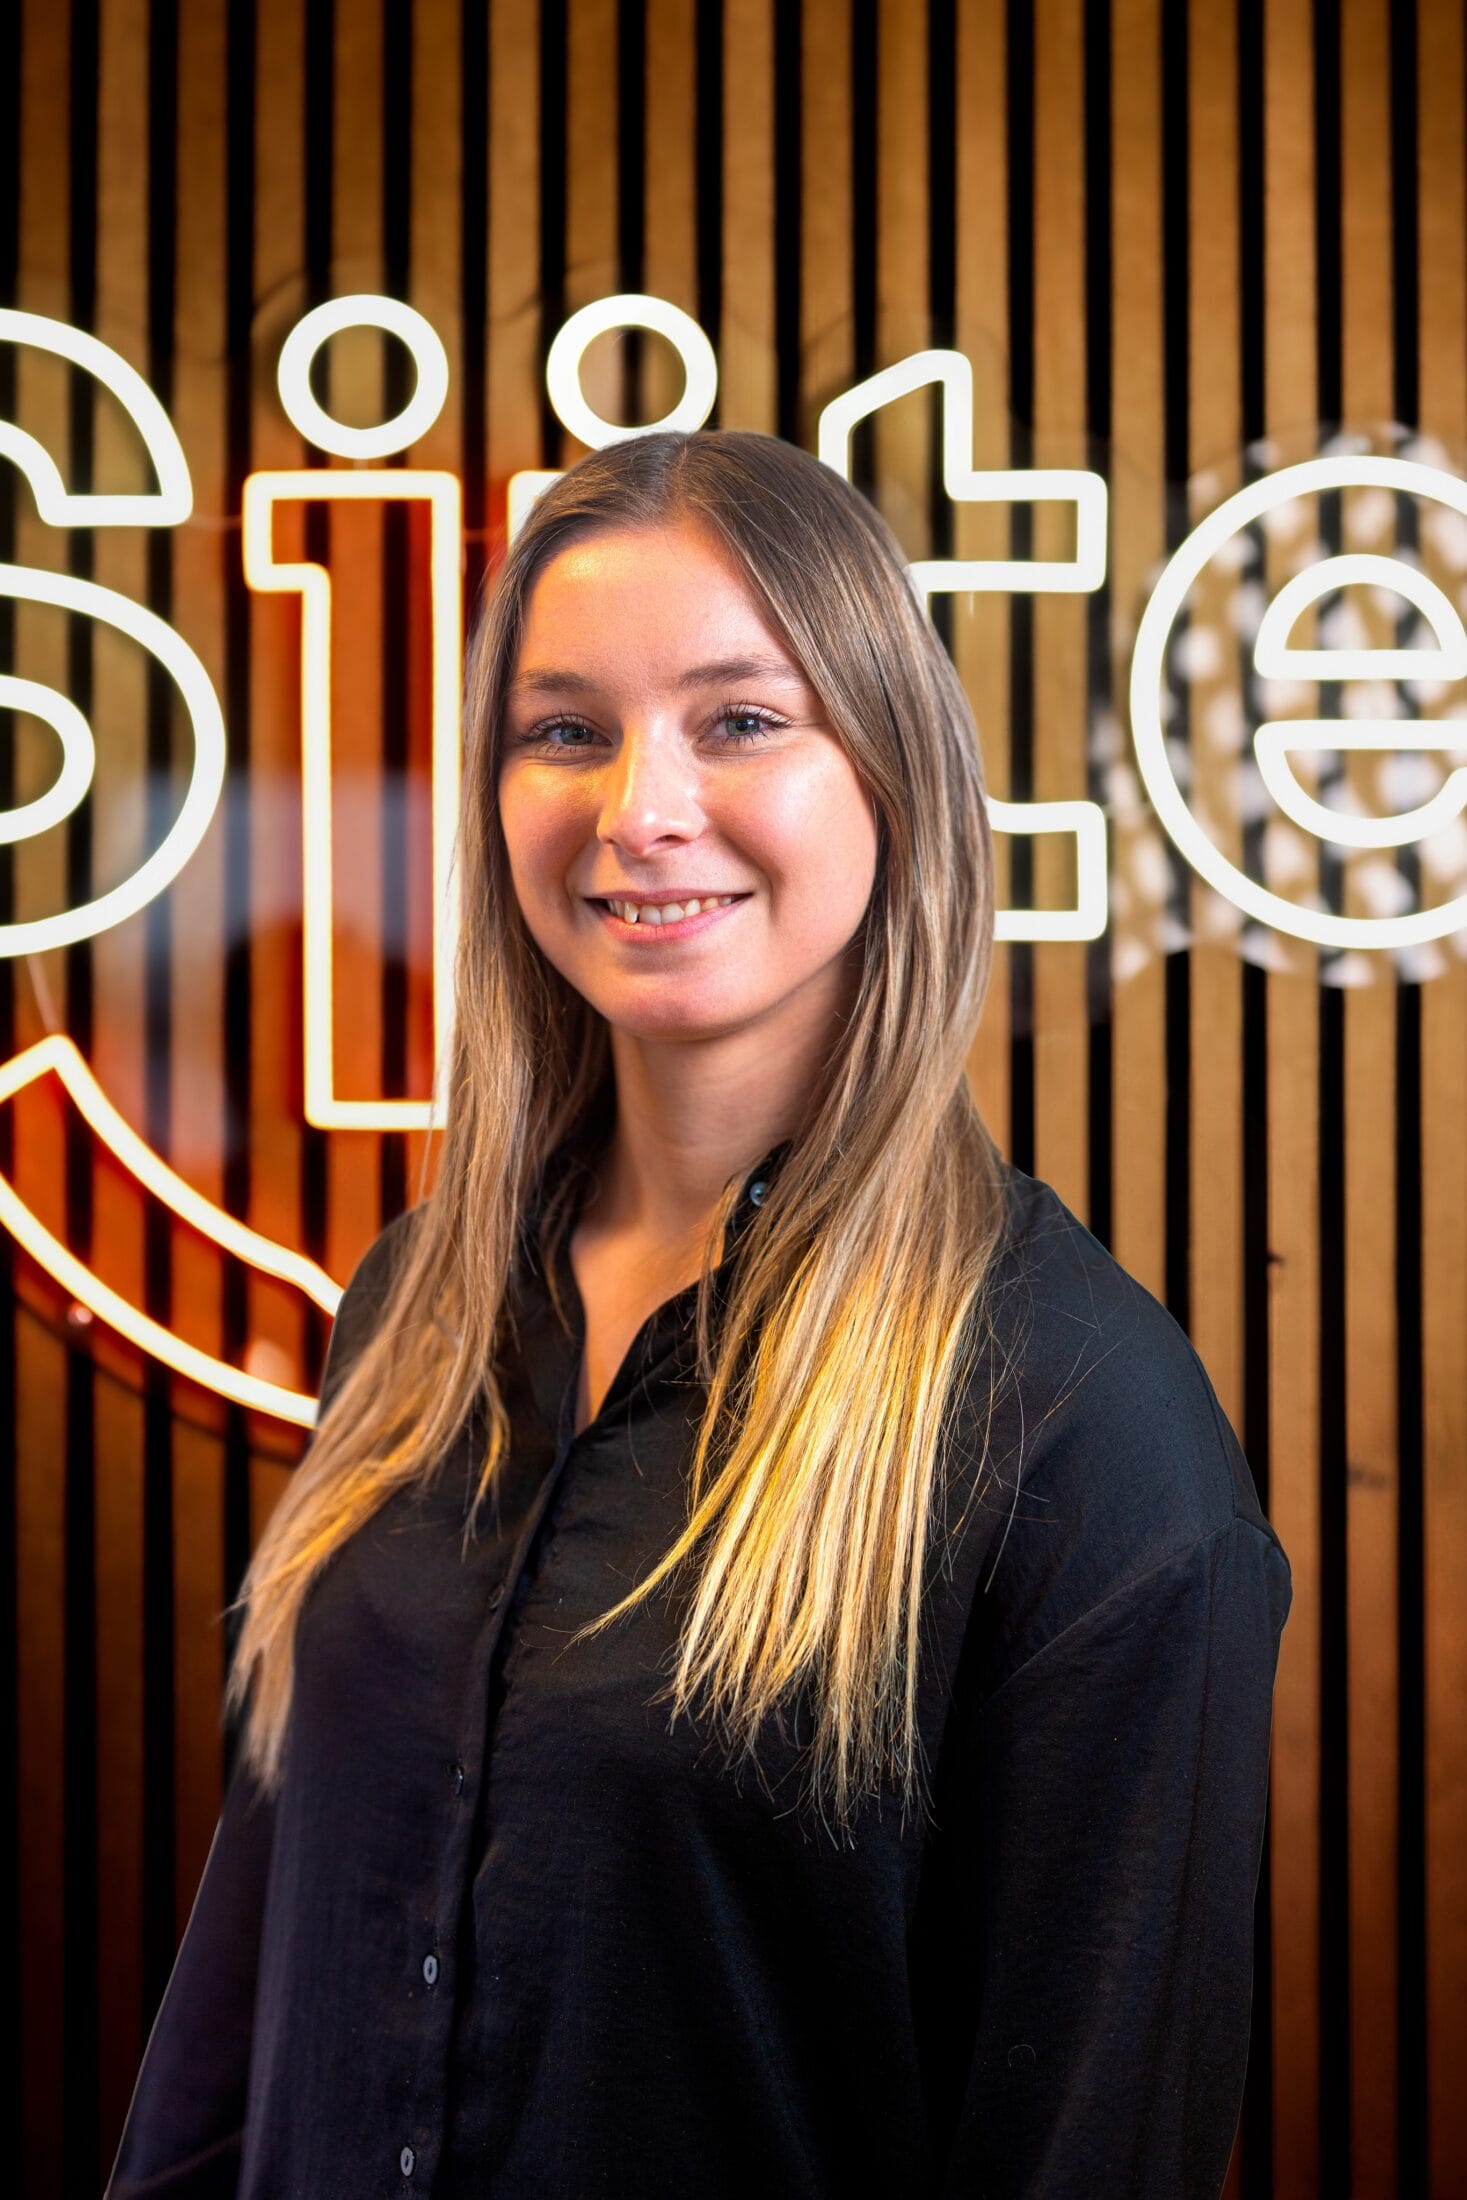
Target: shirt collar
(550,1345)
(570,1155)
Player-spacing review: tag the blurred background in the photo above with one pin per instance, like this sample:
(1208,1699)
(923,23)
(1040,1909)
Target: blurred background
(1183,248)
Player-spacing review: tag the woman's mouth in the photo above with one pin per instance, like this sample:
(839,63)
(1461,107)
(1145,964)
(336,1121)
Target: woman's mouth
(651,922)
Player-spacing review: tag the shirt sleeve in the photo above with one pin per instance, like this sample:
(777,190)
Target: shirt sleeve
(185,2125)
(1118,1784)
(183,2135)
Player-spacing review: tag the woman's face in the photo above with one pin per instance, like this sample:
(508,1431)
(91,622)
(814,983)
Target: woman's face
(660,746)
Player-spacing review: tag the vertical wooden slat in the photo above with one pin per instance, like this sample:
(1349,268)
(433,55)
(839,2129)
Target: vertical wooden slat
(1215,1036)
(357,538)
(119,719)
(1293,1166)
(901,434)
(1370,1295)
(275,1123)
(436,246)
(747,386)
(980,621)
(825,212)
(437,227)
(1216,745)
(1137,545)
(40,1536)
(40,1526)
(671,269)
(515,365)
(119,812)
(1442,111)
(591,190)
(204,560)
(1061,1017)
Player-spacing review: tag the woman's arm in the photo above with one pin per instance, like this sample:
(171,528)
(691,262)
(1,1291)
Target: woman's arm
(185,2124)
(1116,1791)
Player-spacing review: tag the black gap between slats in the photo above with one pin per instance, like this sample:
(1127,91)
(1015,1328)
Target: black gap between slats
(159,1432)
(553,304)
(1256,2134)
(787,93)
(402,591)
(631,200)
(708,176)
(1335,2152)
(1099,669)
(318,127)
(942,278)
(473,374)
(1019,125)
(1412,2105)
(238,999)
(1177,443)
(77,2141)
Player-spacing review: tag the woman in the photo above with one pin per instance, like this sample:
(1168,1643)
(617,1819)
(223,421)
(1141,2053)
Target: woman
(761,1683)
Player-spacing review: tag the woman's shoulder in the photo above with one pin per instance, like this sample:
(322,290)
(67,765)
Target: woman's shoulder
(361,1299)
(369,1281)
(1108,1454)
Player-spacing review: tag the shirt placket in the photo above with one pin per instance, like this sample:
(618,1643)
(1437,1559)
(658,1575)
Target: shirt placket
(554,1365)
(435,1983)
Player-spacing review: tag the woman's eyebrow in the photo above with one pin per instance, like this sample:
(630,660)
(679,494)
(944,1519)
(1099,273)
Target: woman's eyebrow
(538,679)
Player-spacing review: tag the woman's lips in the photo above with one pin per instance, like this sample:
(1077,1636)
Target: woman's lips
(642,934)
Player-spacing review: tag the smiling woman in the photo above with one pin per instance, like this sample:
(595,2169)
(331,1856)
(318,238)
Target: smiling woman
(707,1378)
(670,793)
(703,889)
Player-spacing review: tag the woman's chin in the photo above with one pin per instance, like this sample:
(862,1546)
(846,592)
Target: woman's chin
(673,1020)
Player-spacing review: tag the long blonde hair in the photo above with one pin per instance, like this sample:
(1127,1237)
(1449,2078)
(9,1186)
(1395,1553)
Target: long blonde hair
(857,1303)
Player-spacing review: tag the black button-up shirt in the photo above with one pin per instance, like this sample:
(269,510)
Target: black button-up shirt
(504,1933)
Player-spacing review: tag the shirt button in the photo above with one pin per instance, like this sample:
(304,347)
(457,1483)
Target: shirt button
(456,1774)
(405,2161)
(496,1595)
(430,1968)
(757,1190)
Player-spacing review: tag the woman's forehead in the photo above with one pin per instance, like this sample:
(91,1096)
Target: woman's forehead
(615,607)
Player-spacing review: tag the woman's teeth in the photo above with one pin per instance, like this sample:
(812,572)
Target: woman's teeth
(632,912)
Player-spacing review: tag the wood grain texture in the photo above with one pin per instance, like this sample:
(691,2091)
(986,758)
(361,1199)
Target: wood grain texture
(1440,1774)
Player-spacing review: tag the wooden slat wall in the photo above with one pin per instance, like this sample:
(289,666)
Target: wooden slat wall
(1162,234)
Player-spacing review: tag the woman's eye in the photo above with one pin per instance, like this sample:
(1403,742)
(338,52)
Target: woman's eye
(760,722)
(738,725)
(561,726)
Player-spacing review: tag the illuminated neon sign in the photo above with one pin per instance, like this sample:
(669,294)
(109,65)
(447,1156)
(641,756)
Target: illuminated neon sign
(1277,739)
(58,1054)
(264,572)
(1086,494)
(1282,667)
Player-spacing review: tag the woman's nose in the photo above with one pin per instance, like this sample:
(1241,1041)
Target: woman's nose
(649,794)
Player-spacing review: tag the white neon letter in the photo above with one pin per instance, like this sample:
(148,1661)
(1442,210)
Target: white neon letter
(628,309)
(269,575)
(78,757)
(1086,570)
(363,309)
(30,584)
(1029,485)
(167,505)
(59,1054)
(1310,478)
